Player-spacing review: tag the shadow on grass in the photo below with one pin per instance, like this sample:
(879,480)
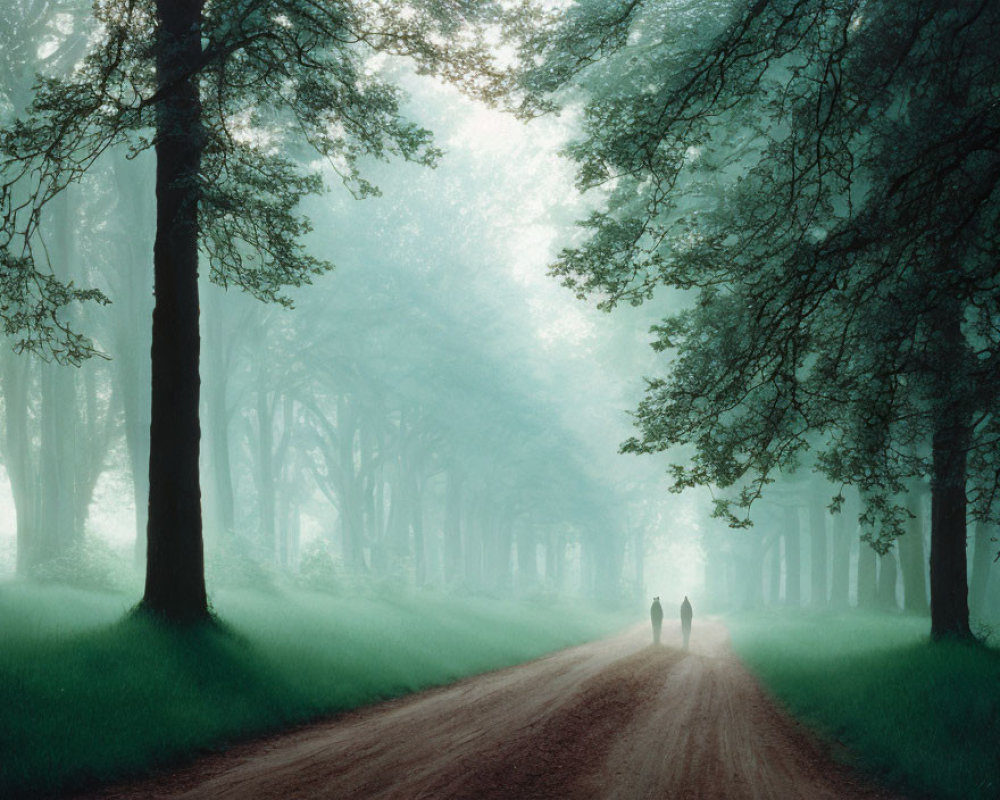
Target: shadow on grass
(88,695)
(130,696)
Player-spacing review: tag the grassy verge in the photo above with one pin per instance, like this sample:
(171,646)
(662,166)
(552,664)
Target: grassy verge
(87,695)
(922,717)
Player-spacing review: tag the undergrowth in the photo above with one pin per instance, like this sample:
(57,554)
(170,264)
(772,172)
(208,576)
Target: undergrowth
(90,693)
(923,717)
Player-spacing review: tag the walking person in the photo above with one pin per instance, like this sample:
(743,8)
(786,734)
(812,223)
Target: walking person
(656,617)
(686,615)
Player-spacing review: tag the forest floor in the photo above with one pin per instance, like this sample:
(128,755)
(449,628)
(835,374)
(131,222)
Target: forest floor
(616,718)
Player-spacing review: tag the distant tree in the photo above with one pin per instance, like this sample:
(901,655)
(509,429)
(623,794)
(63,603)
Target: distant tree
(219,90)
(825,177)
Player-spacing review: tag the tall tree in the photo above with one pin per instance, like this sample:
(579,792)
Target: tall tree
(217,89)
(825,175)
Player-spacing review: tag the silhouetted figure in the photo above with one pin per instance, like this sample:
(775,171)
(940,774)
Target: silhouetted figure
(656,617)
(686,620)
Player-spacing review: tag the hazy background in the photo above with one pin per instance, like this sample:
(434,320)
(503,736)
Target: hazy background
(438,411)
(439,327)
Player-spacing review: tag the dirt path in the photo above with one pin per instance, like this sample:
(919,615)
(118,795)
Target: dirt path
(611,719)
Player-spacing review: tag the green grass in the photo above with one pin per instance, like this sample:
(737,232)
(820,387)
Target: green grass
(921,717)
(89,694)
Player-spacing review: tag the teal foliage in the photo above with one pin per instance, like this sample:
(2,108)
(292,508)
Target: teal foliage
(318,567)
(232,564)
(74,663)
(921,716)
(91,563)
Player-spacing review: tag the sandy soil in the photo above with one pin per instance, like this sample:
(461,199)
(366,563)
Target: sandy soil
(617,718)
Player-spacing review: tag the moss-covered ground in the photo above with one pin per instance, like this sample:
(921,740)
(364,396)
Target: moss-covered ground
(89,693)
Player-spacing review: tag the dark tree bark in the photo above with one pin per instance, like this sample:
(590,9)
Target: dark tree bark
(949,448)
(949,572)
(175,573)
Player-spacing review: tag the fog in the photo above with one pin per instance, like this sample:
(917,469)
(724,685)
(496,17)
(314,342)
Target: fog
(628,372)
(435,410)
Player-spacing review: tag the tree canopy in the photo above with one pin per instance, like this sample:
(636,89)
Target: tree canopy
(231,96)
(823,177)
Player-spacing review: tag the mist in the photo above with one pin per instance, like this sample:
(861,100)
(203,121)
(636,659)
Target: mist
(353,350)
(434,410)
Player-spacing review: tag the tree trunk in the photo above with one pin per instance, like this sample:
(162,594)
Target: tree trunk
(527,558)
(844,525)
(753,574)
(417,524)
(774,578)
(293,532)
(18,458)
(639,562)
(867,576)
(453,527)
(285,478)
(949,587)
(608,549)
(384,535)
(982,561)
(912,563)
(818,592)
(175,565)
(888,574)
(948,353)
(352,497)
(217,410)
(56,475)
(716,585)
(472,545)
(131,313)
(555,560)
(98,423)
(264,409)
(58,414)
(793,558)
(500,556)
